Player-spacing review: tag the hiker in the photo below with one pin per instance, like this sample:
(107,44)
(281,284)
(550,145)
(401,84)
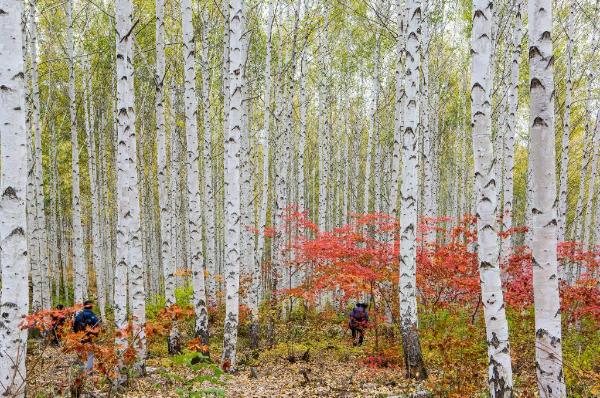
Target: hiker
(86,320)
(58,320)
(358,322)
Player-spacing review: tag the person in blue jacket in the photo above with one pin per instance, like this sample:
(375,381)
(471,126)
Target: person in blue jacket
(359,317)
(86,321)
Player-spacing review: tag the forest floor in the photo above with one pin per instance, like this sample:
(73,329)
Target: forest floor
(314,357)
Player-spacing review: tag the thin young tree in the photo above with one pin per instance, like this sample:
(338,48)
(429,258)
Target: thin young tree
(496,325)
(564,158)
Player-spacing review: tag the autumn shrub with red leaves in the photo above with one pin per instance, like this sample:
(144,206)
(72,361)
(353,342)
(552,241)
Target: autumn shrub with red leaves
(361,258)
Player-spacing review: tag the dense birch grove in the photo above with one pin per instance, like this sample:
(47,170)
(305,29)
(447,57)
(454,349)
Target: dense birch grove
(234,175)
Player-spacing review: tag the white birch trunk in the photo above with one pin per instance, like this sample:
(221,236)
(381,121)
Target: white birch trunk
(587,225)
(40,217)
(509,135)
(95,213)
(14,300)
(548,345)
(398,110)
(80,282)
(577,231)
(564,159)
(232,185)
(500,371)
(161,149)
(409,193)
(171,266)
(194,200)
(129,250)
(427,153)
(209,200)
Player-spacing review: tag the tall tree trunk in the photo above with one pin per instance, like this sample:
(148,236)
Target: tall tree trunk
(40,215)
(548,347)
(95,212)
(500,371)
(413,358)
(232,185)
(194,200)
(587,224)
(161,149)
(509,135)
(564,159)
(13,180)
(398,109)
(80,282)
(577,231)
(427,152)
(129,250)
(209,199)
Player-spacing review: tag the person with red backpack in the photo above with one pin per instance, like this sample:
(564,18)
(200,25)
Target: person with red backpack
(359,318)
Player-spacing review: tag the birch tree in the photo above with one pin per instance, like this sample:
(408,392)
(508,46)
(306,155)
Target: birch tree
(129,250)
(80,282)
(209,200)
(232,185)
(161,148)
(14,299)
(510,131)
(413,358)
(194,200)
(496,325)
(564,159)
(95,211)
(548,345)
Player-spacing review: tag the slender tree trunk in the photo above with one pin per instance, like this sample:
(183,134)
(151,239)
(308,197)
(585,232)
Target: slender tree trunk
(209,199)
(413,358)
(80,282)
(129,250)
(232,185)
(13,187)
(194,200)
(509,135)
(398,109)
(95,213)
(161,149)
(587,225)
(548,347)
(500,371)
(578,221)
(40,215)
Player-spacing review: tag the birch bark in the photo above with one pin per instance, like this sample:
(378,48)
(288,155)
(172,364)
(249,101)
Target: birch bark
(80,283)
(548,347)
(509,135)
(95,219)
(398,110)
(564,160)
(161,149)
(415,367)
(500,371)
(232,185)
(209,199)
(129,250)
(194,200)
(14,296)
